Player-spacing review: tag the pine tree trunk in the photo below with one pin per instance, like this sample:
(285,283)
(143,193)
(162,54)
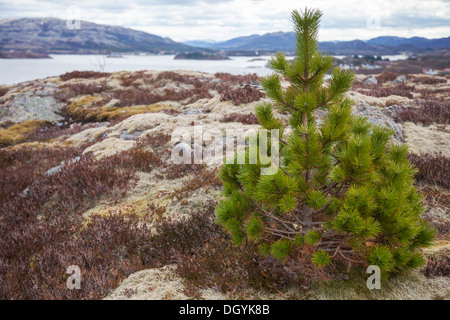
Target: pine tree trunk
(307,218)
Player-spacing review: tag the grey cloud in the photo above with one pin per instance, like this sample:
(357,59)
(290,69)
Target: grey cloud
(232,14)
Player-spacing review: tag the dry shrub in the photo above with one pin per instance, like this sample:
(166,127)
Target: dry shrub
(400,89)
(213,262)
(140,160)
(390,103)
(128,97)
(386,76)
(107,113)
(207,258)
(54,131)
(431,93)
(180,78)
(175,171)
(427,112)
(35,256)
(437,201)
(130,79)
(237,79)
(217,264)
(180,237)
(3,91)
(200,89)
(435,197)
(432,169)
(20,132)
(156,141)
(242,95)
(43,231)
(243,118)
(429,80)
(71,90)
(20,166)
(438,266)
(203,178)
(441,225)
(83,75)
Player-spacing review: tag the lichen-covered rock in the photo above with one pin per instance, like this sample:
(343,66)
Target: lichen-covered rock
(378,101)
(109,147)
(28,106)
(376,116)
(413,286)
(88,135)
(427,139)
(370,80)
(157,284)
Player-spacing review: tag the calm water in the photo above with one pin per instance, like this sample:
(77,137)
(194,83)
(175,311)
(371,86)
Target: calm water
(17,70)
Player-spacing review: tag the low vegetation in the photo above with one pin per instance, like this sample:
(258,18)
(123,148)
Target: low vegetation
(432,169)
(249,118)
(237,79)
(18,133)
(242,95)
(427,112)
(81,110)
(71,90)
(3,91)
(438,266)
(83,75)
(376,90)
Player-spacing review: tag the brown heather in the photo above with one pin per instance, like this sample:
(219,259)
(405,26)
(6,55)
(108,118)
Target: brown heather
(438,266)
(71,90)
(237,79)
(427,112)
(432,169)
(386,76)
(128,97)
(429,80)
(437,200)
(98,95)
(53,131)
(3,91)
(83,75)
(378,91)
(43,232)
(242,95)
(249,118)
(20,166)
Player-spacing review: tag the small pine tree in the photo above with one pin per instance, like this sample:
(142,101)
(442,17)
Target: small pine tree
(342,188)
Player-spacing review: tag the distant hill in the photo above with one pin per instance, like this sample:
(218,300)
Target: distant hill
(423,43)
(200,43)
(52,35)
(269,41)
(285,41)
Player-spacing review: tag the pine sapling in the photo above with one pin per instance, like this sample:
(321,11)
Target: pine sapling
(343,190)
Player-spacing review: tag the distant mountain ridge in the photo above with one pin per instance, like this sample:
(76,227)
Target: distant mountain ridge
(285,41)
(52,35)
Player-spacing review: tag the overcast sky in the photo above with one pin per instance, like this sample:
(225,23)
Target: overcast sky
(184,20)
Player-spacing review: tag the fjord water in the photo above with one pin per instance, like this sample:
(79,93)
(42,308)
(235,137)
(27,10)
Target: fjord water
(18,70)
(13,71)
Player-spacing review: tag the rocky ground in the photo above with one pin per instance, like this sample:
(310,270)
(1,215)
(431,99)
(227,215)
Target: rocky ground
(55,130)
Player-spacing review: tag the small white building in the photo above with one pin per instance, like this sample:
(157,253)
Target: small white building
(431,72)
